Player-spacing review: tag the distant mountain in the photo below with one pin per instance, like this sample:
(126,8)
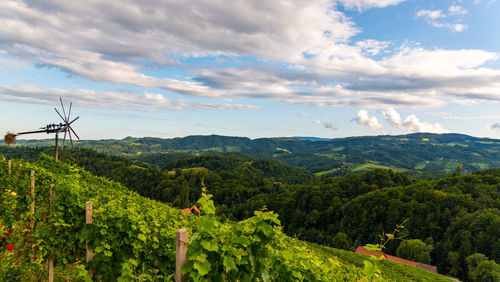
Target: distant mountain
(311,138)
(419,153)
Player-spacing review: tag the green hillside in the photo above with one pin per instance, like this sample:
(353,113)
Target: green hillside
(419,153)
(453,216)
(133,237)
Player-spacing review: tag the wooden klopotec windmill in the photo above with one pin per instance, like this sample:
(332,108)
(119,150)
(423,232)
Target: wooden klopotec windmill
(65,127)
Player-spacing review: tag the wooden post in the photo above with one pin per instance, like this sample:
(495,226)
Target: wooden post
(51,270)
(52,197)
(51,209)
(20,168)
(57,147)
(32,222)
(10,166)
(88,220)
(181,247)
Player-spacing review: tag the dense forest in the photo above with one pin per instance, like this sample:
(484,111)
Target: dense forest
(454,220)
(424,154)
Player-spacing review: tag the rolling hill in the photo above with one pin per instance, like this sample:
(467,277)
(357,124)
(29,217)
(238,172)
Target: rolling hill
(419,153)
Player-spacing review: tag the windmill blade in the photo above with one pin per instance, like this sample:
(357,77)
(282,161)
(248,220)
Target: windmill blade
(69,113)
(59,114)
(73,121)
(64,111)
(74,133)
(71,139)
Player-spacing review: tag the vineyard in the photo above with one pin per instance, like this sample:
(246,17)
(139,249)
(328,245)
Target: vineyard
(133,238)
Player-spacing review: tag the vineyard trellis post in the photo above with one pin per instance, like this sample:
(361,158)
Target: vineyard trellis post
(51,210)
(32,193)
(10,166)
(88,220)
(181,247)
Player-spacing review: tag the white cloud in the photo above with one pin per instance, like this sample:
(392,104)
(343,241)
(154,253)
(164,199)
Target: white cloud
(372,47)
(317,121)
(330,125)
(429,14)
(437,18)
(108,99)
(457,10)
(304,115)
(305,52)
(366,4)
(411,123)
(363,118)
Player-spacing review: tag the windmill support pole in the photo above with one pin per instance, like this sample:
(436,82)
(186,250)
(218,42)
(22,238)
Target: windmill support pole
(57,147)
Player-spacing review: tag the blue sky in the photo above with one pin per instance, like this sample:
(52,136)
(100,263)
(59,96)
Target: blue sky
(260,68)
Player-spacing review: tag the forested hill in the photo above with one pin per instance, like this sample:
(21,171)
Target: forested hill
(413,153)
(451,222)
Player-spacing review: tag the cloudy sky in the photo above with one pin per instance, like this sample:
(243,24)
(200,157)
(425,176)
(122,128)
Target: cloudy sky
(325,68)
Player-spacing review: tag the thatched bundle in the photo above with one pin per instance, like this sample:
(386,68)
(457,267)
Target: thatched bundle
(9,138)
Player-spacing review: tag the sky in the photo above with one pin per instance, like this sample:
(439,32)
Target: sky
(258,68)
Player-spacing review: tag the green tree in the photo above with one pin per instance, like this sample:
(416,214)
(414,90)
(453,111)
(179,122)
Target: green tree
(454,260)
(341,241)
(184,195)
(414,250)
(473,261)
(487,271)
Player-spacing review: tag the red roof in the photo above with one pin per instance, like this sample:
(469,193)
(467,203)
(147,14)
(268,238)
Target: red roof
(361,250)
(190,210)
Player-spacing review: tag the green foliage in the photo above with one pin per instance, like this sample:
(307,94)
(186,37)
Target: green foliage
(341,241)
(473,261)
(387,237)
(459,214)
(414,250)
(133,237)
(487,271)
(253,250)
(184,195)
(390,270)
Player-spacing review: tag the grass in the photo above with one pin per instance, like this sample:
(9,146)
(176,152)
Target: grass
(213,149)
(488,142)
(421,165)
(284,150)
(453,144)
(390,270)
(231,149)
(480,165)
(325,172)
(371,166)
